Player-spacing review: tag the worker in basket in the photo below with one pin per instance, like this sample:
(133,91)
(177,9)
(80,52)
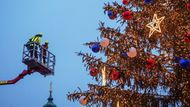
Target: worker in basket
(44,50)
(34,42)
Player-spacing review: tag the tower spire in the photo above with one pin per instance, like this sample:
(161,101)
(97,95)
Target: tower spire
(50,90)
(50,99)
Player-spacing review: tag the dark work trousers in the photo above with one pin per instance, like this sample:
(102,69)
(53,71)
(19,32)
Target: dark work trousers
(44,59)
(43,56)
(44,53)
(34,51)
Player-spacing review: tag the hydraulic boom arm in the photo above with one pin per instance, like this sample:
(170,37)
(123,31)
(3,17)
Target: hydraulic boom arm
(20,76)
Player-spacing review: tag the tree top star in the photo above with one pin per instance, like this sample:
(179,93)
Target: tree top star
(155,24)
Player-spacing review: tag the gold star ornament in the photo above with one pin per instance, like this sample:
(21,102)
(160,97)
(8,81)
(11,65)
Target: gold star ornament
(155,25)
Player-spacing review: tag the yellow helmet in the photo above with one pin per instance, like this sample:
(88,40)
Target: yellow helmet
(46,42)
(39,34)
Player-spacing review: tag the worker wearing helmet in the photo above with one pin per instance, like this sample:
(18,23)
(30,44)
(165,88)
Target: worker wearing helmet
(34,43)
(44,50)
(37,38)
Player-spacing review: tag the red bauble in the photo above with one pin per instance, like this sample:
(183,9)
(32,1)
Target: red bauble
(125,2)
(150,63)
(127,15)
(188,6)
(187,37)
(115,75)
(93,72)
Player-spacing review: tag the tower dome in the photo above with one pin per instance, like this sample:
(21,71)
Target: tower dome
(50,99)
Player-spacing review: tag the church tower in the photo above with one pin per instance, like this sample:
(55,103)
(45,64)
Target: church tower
(50,99)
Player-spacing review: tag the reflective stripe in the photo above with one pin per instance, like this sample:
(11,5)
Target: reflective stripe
(33,39)
(36,39)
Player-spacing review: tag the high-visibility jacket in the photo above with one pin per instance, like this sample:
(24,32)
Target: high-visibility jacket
(36,39)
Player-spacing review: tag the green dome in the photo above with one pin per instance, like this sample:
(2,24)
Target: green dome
(50,103)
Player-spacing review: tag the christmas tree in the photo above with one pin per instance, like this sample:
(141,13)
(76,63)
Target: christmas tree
(147,56)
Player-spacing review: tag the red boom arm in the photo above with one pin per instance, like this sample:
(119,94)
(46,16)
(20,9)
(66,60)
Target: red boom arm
(20,76)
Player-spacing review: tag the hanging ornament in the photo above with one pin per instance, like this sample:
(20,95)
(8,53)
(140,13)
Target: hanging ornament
(150,63)
(83,100)
(132,52)
(93,72)
(187,37)
(188,6)
(127,15)
(95,47)
(114,75)
(126,2)
(184,63)
(112,15)
(155,24)
(148,1)
(124,55)
(105,42)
